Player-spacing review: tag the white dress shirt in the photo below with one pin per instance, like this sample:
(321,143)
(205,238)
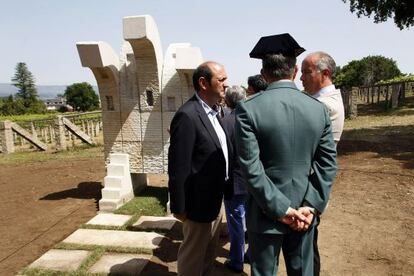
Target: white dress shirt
(212,116)
(332,98)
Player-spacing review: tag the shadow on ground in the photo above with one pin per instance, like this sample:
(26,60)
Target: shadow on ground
(388,142)
(84,190)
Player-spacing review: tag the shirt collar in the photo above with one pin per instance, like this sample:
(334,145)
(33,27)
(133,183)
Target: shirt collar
(205,106)
(323,91)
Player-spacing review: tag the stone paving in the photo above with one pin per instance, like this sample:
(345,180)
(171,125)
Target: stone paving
(110,262)
(117,260)
(107,219)
(144,240)
(120,264)
(159,223)
(61,260)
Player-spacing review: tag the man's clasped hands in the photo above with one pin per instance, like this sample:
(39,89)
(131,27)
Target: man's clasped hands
(298,220)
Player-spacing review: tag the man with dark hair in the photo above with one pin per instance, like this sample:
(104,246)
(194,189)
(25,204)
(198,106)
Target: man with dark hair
(255,84)
(198,166)
(283,134)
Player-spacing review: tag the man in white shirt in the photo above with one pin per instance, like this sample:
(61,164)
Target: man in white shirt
(317,71)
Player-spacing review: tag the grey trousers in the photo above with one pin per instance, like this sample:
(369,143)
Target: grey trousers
(198,250)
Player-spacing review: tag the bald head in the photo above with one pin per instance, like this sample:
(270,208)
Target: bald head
(317,71)
(205,71)
(210,81)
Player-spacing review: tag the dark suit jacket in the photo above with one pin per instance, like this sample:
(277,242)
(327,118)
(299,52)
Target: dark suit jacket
(235,177)
(281,134)
(196,164)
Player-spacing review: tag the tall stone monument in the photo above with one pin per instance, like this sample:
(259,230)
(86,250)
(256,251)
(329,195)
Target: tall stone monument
(140,91)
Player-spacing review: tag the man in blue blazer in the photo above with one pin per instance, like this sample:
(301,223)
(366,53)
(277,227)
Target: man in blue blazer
(282,136)
(198,169)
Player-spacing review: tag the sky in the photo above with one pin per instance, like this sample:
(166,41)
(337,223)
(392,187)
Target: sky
(43,33)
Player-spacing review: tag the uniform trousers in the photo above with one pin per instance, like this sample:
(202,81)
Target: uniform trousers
(297,250)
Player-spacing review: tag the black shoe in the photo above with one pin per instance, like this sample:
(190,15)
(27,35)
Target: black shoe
(232,269)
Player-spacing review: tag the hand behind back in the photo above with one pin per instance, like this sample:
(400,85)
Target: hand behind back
(298,220)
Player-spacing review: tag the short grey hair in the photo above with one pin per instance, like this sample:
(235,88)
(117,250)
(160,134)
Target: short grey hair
(325,62)
(233,95)
(278,66)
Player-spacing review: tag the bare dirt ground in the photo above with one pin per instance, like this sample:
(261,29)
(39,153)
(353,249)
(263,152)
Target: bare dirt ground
(41,204)
(367,229)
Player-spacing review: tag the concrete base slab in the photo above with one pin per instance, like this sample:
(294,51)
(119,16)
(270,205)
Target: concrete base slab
(109,220)
(150,222)
(120,264)
(145,240)
(62,260)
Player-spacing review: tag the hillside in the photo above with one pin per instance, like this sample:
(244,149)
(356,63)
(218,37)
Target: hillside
(44,91)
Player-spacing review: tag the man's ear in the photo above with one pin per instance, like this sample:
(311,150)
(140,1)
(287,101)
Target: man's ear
(263,74)
(202,82)
(295,71)
(326,73)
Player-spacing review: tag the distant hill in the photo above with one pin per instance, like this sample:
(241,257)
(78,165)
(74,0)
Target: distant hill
(44,91)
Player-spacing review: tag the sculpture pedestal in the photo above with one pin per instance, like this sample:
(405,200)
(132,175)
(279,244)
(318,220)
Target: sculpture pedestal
(117,184)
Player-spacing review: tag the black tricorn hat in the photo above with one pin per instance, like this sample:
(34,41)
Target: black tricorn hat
(276,44)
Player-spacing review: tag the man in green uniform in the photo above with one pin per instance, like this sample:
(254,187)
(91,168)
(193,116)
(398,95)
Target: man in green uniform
(282,136)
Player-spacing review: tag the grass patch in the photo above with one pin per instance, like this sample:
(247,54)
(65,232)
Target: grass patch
(90,260)
(79,152)
(44,272)
(403,116)
(50,116)
(112,249)
(151,201)
(30,117)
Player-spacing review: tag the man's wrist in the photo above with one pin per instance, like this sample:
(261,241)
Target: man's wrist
(289,211)
(311,209)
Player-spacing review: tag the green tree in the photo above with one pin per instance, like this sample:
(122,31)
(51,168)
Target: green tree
(11,106)
(366,71)
(81,97)
(27,94)
(23,79)
(401,10)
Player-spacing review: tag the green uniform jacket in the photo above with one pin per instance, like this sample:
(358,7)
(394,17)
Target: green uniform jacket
(282,133)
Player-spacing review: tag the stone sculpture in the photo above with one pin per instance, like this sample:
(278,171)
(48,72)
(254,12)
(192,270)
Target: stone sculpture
(140,92)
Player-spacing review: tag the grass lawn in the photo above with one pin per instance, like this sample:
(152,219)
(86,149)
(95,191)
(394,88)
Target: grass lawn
(373,116)
(151,201)
(49,116)
(79,152)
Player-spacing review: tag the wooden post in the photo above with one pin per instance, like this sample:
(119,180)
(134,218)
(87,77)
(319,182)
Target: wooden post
(394,95)
(353,100)
(386,97)
(377,89)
